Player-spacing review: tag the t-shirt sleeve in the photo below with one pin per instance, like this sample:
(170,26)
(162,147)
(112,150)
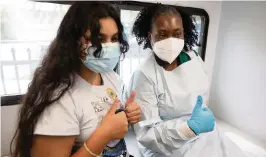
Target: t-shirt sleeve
(59,119)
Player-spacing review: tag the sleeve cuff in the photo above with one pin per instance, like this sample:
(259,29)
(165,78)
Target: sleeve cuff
(56,131)
(185,132)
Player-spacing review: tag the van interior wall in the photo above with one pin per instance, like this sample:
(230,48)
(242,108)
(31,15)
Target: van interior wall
(213,8)
(239,75)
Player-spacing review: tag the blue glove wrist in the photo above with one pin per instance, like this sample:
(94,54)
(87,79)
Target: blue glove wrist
(190,125)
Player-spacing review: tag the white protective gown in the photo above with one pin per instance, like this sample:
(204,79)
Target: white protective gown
(167,99)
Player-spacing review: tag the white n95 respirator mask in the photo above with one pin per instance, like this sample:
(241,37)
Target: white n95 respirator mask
(168,49)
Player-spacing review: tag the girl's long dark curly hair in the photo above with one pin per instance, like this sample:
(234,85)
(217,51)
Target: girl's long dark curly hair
(143,24)
(56,73)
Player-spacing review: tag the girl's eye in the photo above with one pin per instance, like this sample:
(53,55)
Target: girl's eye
(115,39)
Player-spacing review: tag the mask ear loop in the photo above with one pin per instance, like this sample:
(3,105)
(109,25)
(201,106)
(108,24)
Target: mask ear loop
(122,55)
(151,41)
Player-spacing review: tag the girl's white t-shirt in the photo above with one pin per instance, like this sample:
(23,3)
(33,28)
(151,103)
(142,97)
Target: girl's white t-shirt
(80,110)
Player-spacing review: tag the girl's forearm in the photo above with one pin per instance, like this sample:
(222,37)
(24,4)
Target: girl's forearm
(96,143)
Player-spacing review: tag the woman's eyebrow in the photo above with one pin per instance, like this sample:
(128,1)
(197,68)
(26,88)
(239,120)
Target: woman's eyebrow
(162,30)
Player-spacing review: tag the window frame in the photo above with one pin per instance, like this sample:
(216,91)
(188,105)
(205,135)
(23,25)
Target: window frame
(9,100)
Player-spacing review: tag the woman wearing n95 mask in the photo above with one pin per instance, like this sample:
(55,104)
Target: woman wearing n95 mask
(171,88)
(71,107)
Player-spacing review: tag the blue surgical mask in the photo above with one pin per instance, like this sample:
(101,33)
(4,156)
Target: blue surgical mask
(109,57)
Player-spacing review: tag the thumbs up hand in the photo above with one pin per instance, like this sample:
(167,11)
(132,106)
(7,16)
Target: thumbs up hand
(132,109)
(202,119)
(115,125)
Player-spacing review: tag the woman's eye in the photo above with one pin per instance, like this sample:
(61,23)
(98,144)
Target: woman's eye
(162,36)
(177,35)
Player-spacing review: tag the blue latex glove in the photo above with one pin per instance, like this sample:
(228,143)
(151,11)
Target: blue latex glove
(202,119)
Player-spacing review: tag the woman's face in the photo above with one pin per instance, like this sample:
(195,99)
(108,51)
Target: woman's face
(167,26)
(108,33)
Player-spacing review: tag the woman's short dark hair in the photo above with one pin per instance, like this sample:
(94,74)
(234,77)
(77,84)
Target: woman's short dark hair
(143,24)
(56,74)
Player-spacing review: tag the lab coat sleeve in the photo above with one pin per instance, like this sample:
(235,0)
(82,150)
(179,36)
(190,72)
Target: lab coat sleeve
(163,136)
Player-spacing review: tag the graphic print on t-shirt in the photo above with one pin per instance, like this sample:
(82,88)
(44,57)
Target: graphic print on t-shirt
(101,104)
(105,102)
